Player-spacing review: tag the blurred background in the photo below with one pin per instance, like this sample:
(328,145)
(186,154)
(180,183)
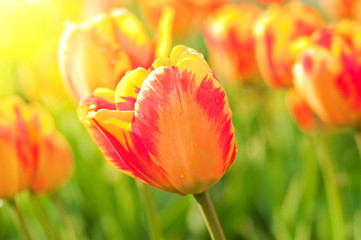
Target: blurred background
(274,190)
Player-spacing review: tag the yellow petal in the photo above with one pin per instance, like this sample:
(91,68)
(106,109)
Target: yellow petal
(165,33)
(196,67)
(130,85)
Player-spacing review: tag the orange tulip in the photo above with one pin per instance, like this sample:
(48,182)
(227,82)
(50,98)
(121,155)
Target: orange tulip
(189,14)
(229,37)
(22,130)
(169,126)
(342,8)
(98,53)
(328,75)
(274,31)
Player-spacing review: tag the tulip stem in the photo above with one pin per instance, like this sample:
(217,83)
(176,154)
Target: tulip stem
(23,227)
(150,211)
(42,218)
(357,136)
(210,216)
(332,191)
(71,234)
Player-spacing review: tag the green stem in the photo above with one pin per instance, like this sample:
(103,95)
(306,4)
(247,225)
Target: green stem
(23,227)
(150,211)
(210,216)
(358,140)
(43,218)
(71,234)
(332,191)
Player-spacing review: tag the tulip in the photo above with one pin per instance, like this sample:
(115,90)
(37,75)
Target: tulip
(189,14)
(229,37)
(168,126)
(274,31)
(25,135)
(271,1)
(301,112)
(351,32)
(18,128)
(55,159)
(328,74)
(341,8)
(98,53)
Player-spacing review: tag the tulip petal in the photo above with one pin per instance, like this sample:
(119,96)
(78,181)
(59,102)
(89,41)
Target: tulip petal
(111,130)
(193,65)
(55,164)
(165,33)
(118,151)
(128,88)
(186,126)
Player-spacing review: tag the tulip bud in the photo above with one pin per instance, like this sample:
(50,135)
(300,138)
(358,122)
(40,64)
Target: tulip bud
(98,53)
(274,31)
(328,74)
(169,126)
(229,37)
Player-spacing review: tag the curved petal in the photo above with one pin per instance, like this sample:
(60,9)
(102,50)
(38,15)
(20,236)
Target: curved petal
(111,129)
(128,88)
(111,132)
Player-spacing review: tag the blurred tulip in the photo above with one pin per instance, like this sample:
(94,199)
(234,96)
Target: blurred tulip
(98,53)
(55,158)
(229,37)
(271,1)
(328,75)
(342,8)
(19,128)
(350,32)
(23,143)
(274,31)
(189,14)
(40,79)
(301,112)
(169,126)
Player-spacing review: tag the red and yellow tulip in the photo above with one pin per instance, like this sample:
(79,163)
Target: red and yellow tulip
(98,53)
(25,135)
(275,30)
(189,14)
(229,37)
(328,75)
(169,126)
